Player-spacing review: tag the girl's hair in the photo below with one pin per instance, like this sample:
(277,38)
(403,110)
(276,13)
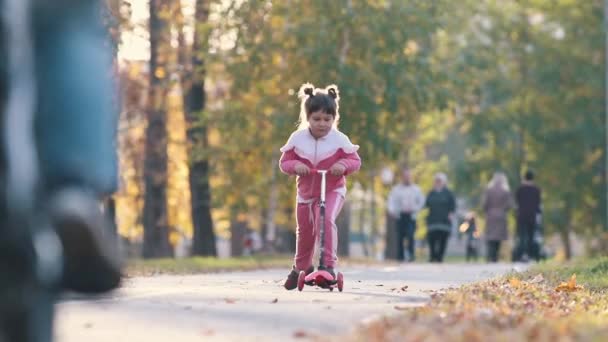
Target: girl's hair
(316,99)
(499,179)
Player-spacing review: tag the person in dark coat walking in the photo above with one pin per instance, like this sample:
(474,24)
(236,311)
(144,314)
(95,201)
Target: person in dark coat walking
(441,204)
(528,197)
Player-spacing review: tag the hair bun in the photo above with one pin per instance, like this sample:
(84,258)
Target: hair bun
(332,90)
(307,89)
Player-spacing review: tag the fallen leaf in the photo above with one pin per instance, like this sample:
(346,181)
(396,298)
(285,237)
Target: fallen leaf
(538,279)
(300,334)
(276,300)
(570,286)
(572,281)
(514,282)
(404,288)
(230,300)
(379,285)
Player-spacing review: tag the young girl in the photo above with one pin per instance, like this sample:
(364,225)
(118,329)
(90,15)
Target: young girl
(317,144)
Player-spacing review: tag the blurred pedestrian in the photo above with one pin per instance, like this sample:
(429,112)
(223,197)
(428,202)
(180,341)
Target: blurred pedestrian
(469,229)
(441,204)
(496,203)
(404,202)
(528,197)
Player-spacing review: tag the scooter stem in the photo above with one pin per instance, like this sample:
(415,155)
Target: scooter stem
(323,174)
(322,216)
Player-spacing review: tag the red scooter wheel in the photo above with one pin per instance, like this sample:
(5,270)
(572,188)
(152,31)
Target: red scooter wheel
(301,279)
(340,282)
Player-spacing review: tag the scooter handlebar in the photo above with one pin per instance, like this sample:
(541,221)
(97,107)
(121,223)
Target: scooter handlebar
(318,171)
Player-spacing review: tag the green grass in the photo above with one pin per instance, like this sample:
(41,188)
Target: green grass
(195,265)
(592,273)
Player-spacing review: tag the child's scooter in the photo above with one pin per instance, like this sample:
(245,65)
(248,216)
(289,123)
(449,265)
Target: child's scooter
(321,277)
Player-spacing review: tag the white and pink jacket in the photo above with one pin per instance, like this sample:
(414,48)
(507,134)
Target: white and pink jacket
(319,154)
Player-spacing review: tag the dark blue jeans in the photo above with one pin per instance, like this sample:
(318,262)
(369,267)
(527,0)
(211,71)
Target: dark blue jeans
(77,108)
(406,229)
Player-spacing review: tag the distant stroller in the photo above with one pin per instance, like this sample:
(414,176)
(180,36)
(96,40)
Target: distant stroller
(469,229)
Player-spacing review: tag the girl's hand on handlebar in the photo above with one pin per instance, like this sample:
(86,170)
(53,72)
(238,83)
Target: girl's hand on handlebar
(337,169)
(301,169)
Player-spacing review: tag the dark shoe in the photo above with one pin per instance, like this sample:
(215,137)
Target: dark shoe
(292,278)
(90,264)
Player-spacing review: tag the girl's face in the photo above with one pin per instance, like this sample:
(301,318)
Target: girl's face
(320,124)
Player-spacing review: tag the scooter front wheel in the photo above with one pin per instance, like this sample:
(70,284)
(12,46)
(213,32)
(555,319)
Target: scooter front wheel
(340,282)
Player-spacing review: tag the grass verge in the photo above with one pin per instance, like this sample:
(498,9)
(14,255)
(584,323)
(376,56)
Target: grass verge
(196,265)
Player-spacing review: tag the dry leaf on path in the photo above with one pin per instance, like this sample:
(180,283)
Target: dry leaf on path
(570,286)
(300,334)
(230,300)
(276,300)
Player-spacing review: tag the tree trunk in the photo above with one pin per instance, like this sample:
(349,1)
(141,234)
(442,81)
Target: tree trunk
(343,223)
(565,236)
(156,240)
(564,233)
(238,231)
(109,209)
(372,219)
(390,251)
(364,237)
(270,232)
(194,103)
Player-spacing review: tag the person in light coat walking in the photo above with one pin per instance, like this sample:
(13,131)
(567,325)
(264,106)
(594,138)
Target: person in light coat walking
(497,202)
(404,202)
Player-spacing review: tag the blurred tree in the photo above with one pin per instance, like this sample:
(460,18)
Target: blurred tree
(528,80)
(194,105)
(156,228)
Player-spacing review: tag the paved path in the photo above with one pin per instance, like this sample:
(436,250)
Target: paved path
(252,306)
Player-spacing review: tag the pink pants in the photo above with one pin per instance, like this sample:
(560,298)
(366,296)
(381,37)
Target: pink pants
(308,219)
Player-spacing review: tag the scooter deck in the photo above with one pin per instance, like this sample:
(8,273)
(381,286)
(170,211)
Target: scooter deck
(322,279)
